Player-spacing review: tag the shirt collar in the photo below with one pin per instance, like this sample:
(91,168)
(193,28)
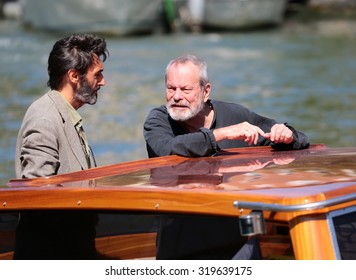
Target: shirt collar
(213,123)
(73,114)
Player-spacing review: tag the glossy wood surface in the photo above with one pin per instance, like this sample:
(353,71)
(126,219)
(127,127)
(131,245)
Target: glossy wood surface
(128,246)
(116,247)
(311,238)
(207,185)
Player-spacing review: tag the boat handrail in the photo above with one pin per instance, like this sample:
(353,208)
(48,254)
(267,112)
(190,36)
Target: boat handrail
(273,207)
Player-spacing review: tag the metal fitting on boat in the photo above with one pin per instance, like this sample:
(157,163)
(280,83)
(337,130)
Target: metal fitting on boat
(252,224)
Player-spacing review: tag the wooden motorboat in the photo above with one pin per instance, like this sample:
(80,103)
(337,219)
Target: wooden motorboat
(301,204)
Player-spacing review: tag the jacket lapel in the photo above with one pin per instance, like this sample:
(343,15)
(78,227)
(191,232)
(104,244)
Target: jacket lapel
(69,129)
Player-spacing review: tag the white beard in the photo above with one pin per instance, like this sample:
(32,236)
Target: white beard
(186,114)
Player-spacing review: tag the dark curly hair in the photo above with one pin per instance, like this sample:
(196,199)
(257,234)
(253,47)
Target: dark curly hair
(74,52)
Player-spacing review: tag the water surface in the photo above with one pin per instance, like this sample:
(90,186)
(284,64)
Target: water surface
(303,78)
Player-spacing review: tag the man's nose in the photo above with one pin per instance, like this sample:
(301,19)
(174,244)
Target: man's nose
(178,94)
(102,82)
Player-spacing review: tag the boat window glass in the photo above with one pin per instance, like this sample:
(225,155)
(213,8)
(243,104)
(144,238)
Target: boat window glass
(343,228)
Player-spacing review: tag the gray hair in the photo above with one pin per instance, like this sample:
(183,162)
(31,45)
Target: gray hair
(203,67)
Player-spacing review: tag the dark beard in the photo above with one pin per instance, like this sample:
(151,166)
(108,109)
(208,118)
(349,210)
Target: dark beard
(85,93)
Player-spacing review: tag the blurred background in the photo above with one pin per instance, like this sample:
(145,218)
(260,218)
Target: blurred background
(294,61)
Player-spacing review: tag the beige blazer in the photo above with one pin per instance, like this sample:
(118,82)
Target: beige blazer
(47,142)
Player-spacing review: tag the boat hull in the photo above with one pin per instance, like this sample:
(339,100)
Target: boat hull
(240,14)
(307,198)
(116,17)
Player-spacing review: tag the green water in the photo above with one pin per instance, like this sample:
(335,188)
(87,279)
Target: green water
(305,78)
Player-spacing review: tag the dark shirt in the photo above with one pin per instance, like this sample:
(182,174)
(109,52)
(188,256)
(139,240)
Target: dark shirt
(164,136)
(198,237)
(56,235)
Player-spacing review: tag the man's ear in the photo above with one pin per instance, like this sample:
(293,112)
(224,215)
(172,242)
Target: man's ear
(207,92)
(73,76)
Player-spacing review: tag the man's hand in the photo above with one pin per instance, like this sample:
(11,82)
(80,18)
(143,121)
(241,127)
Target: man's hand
(242,131)
(250,133)
(280,134)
